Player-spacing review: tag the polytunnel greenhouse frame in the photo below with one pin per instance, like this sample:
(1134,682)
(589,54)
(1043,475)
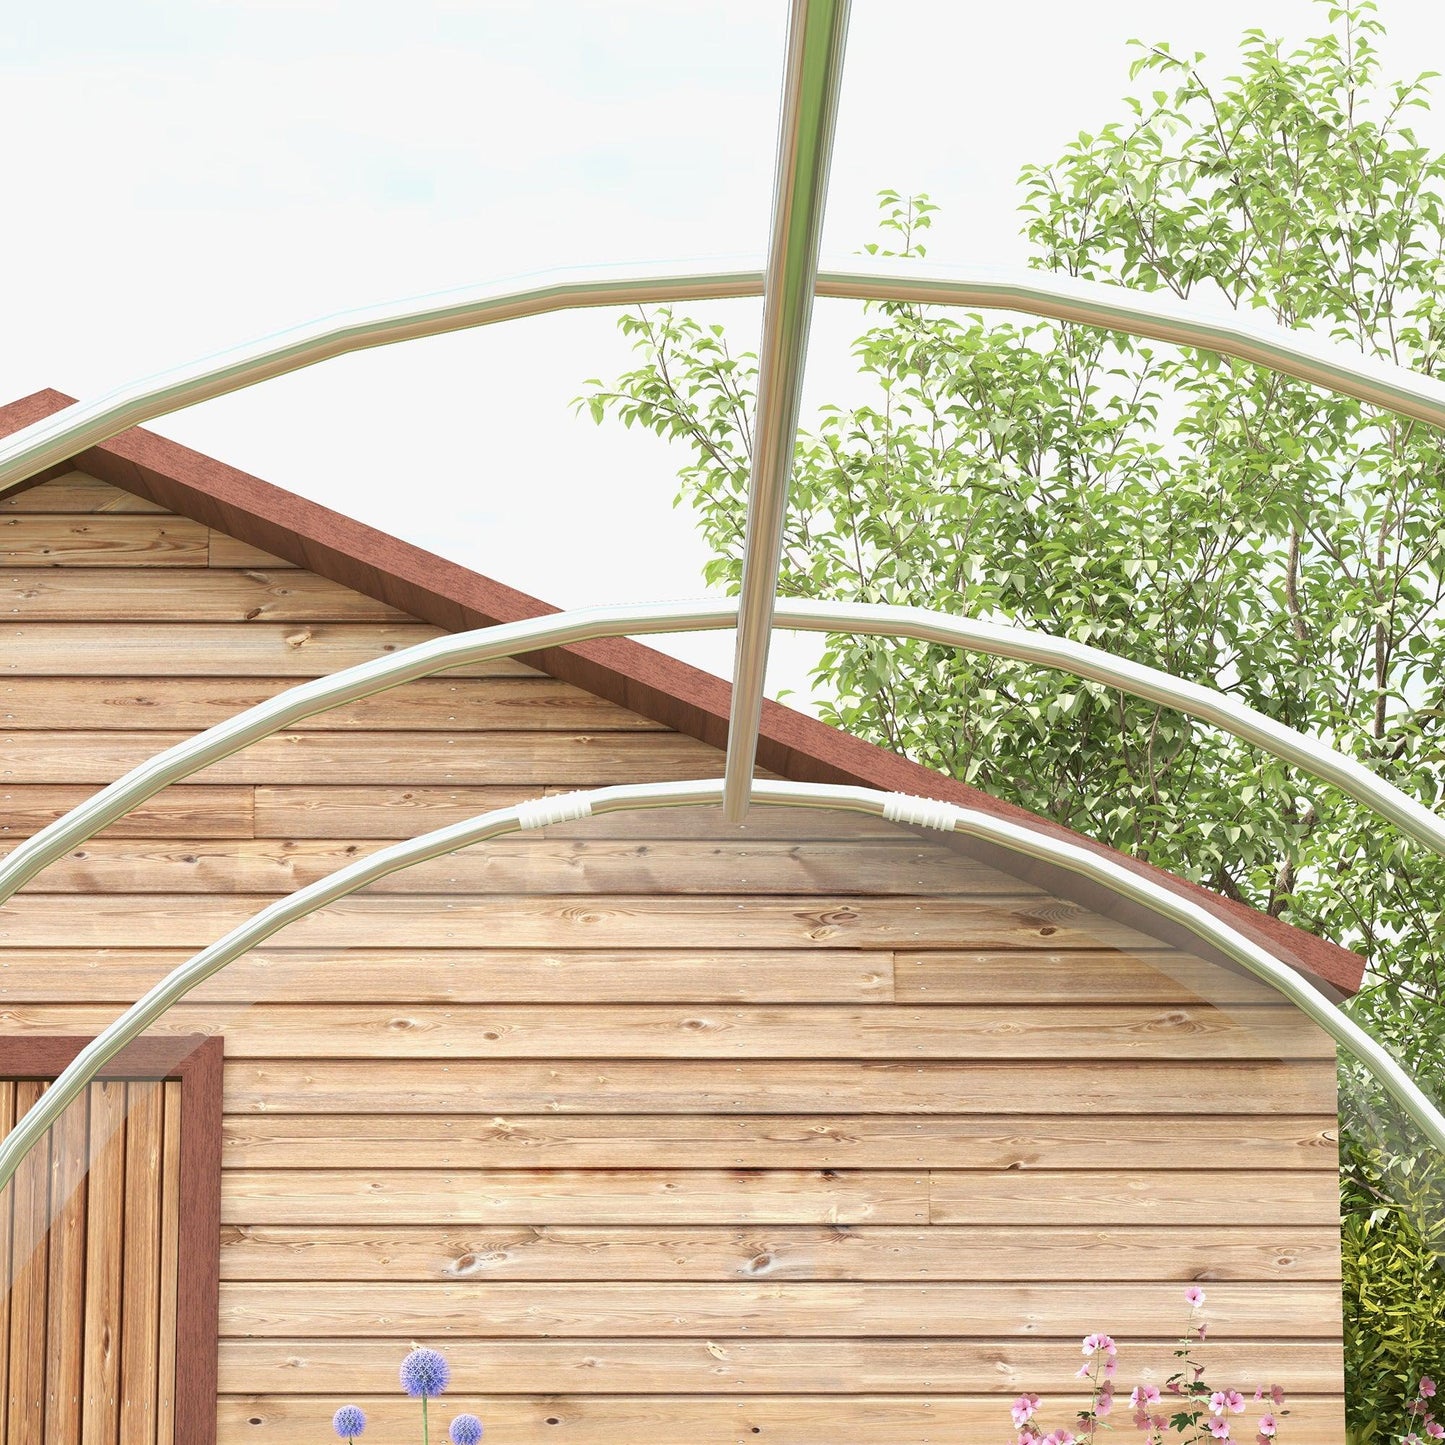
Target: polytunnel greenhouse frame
(788,279)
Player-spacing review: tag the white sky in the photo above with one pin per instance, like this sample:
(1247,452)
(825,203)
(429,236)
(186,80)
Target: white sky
(183,175)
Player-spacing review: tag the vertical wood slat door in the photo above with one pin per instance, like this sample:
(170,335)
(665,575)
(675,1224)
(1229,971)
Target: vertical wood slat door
(88,1243)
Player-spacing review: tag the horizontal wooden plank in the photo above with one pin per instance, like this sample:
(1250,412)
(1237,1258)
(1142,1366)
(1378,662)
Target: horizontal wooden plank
(199,813)
(822,1310)
(75,492)
(488,1368)
(480,975)
(1246,1089)
(574,759)
(1078,975)
(888,1253)
(582,921)
(490,704)
(116,595)
(665,1196)
(347,1030)
(229,551)
(379,811)
(39,540)
(573,1196)
(1127,1195)
(288,650)
(710,1420)
(818,1141)
(529,864)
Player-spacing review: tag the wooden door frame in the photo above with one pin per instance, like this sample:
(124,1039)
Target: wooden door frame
(196,1061)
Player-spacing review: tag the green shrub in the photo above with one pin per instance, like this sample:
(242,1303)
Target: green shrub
(1393,1235)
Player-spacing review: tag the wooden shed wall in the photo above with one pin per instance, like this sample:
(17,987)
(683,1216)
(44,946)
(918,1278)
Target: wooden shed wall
(799,1133)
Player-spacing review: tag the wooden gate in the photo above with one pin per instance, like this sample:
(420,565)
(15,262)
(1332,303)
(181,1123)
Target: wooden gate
(109,1240)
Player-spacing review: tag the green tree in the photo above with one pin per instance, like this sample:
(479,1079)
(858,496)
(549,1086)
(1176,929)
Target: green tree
(1199,514)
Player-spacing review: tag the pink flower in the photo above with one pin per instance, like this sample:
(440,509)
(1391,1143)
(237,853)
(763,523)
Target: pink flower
(1268,1425)
(1427,1387)
(1024,1409)
(1194,1296)
(1059,1437)
(1093,1343)
(1219,1428)
(1435,1430)
(1143,1395)
(1222,1400)
(1104,1403)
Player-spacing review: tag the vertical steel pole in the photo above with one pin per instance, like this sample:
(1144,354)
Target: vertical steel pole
(817,36)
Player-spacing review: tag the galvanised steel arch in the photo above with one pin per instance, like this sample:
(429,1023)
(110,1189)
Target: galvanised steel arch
(181,761)
(788,284)
(426,659)
(895,807)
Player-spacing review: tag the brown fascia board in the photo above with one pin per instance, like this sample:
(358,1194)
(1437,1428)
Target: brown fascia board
(648,682)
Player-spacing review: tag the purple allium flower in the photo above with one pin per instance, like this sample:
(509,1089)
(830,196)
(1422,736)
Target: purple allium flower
(348,1422)
(425,1373)
(466,1430)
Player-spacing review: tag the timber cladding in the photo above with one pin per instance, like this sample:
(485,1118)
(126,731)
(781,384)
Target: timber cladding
(813,1131)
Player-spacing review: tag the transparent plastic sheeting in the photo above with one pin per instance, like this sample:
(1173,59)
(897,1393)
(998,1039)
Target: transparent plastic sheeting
(843,1099)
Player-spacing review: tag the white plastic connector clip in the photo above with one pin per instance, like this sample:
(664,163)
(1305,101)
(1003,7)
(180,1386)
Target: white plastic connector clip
(921,812)
(563,808)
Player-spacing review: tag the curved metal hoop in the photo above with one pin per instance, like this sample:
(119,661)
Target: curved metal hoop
(894,806)
(1061,298)
(177,763)
(1307,358)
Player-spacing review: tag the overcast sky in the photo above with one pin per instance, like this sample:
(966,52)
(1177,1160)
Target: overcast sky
(183,175)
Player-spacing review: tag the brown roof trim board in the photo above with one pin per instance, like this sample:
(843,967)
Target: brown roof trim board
(625,672)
